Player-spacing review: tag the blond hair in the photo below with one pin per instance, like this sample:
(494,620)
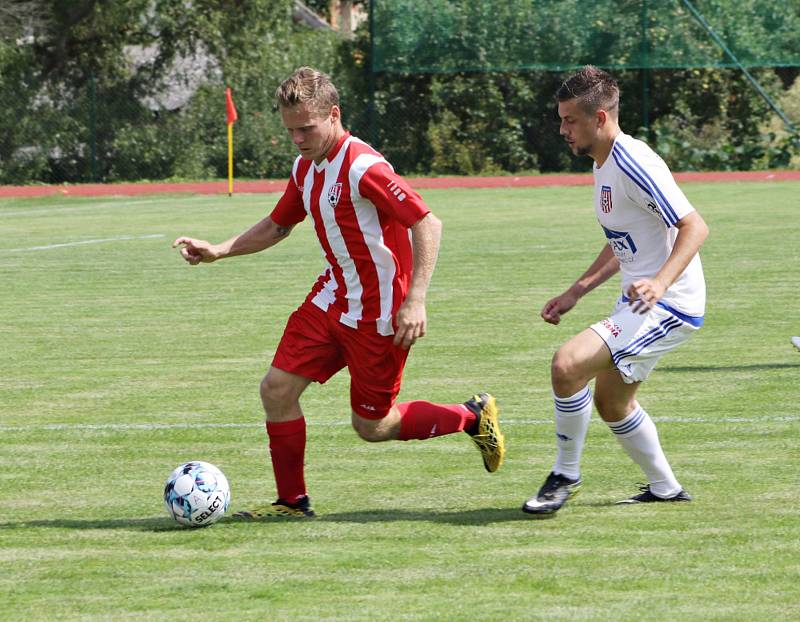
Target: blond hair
(308,86)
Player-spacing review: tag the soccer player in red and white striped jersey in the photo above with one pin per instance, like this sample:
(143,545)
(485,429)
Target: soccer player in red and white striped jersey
(379,243)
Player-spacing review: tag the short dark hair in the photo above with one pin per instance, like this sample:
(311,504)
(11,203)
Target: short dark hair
(308,86)
(593,88)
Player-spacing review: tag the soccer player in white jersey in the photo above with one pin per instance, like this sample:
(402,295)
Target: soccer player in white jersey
(653,237)
(379,243)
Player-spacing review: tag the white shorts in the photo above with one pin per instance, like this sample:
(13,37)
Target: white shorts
(638,341)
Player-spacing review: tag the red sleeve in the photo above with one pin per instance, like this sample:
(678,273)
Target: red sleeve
(289,209)
(392,195)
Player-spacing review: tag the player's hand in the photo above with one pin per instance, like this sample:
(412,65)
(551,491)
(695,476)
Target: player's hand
(644,294)
(558,306)
(195,251)
(411,323)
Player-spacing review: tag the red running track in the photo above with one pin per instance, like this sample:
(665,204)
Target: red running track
(244,187)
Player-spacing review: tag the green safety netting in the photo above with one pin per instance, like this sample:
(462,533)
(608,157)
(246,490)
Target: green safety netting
(429,36)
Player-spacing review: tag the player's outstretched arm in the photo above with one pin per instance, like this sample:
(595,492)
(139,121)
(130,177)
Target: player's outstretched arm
(692,232)
(411,318)
(260,236)
(603,268)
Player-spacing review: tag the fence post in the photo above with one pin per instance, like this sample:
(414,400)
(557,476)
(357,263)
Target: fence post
(371,104)
(92,128)
(645,71)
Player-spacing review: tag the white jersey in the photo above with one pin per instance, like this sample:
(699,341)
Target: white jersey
(638,203)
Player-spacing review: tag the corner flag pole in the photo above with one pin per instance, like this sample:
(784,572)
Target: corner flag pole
(230,159)
(231,117)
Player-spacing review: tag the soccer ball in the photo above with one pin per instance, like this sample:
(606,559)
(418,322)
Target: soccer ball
(197,494)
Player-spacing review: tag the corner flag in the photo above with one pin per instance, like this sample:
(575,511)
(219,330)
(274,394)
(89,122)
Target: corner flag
(232,116)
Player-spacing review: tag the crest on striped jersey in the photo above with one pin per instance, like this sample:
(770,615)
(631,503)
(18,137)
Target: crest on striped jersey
(605,199)
(334,192)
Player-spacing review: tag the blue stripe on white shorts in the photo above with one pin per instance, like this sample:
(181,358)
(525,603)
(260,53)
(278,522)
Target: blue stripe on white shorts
(637,342)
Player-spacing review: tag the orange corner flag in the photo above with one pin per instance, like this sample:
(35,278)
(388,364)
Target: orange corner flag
(231,109)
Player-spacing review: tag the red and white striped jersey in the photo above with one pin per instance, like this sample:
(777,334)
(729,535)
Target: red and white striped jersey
(361,211)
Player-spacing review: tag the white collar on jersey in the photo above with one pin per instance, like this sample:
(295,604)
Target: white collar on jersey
(332,153)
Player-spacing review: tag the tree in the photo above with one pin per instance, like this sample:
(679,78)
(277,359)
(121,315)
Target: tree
(20,18)
(79,94)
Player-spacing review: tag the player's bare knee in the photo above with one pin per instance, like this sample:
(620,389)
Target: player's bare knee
(371,436)
(562,368)
(274,393)
(372,433)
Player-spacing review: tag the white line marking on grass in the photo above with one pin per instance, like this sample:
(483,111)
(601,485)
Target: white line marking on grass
(135,426)
(48,247)
(67,208)
(195,426)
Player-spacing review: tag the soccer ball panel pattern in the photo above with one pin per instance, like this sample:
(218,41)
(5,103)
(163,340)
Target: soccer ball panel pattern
(197,494)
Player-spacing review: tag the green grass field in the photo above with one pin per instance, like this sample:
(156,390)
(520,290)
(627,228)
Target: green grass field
(119,362)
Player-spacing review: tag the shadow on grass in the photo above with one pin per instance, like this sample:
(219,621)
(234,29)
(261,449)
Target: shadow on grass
(136,524)
(483,516)
(703,368)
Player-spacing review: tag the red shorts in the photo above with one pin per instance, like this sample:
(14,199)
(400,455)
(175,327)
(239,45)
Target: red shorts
(316,345)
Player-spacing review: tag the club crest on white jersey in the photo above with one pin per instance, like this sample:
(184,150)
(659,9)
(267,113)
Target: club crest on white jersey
(605,199)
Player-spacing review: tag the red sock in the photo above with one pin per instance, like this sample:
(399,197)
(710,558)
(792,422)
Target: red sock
(287,448)
(421,420)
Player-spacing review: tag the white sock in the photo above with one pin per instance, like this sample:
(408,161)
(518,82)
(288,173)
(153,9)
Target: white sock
(639,438)
(572,422)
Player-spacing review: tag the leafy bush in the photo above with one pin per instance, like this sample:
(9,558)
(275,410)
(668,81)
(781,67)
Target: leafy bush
(710,119)
(476,136)
(783,144)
